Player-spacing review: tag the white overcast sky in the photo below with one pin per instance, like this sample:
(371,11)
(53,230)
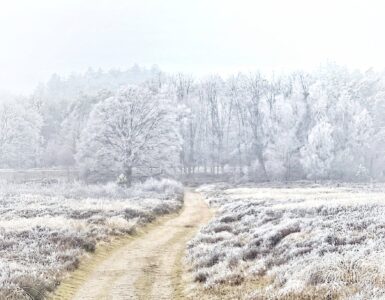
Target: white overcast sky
(41,37)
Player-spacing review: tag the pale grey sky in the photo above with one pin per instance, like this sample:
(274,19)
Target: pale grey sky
(41,37)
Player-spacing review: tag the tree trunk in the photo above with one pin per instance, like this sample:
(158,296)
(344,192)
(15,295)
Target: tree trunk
(128,174)
(262,164)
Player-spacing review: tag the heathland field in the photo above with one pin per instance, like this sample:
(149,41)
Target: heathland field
(45,230)
(265,241)
(297,241)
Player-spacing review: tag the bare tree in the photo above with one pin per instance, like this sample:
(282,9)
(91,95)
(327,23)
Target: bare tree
(133,129)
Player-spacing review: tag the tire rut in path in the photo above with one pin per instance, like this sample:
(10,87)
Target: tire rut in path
(149,266)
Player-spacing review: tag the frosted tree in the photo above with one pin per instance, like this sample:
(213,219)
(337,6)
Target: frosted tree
(283,144)
(73,125)
(135,129)
(58,98)
(255,108)
(184,91)
(20,135)
(341,96)
(260,128)
(218,112)
(238,141)
(317,155)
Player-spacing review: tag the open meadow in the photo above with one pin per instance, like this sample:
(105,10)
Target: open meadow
(295,241)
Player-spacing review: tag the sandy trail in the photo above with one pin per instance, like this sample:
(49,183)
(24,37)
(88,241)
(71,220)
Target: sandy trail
(149,266)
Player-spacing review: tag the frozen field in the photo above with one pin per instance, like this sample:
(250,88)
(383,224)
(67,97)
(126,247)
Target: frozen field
(293,242)
(45,229)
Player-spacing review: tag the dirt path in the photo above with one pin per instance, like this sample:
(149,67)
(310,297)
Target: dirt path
(147,267)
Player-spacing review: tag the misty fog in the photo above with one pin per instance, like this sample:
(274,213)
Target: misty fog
(192,149)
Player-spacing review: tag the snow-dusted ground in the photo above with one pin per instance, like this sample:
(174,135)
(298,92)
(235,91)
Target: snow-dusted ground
(298,241)
(45,229)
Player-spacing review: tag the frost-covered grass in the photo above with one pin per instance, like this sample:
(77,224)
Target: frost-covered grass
(45,229)
(299,241)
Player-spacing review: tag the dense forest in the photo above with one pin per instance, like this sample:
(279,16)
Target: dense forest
(327,124)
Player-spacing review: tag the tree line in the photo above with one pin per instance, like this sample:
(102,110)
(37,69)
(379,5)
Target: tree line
(327,124)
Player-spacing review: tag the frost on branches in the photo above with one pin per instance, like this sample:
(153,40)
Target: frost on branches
(20,135)
(134,129)
(327,124)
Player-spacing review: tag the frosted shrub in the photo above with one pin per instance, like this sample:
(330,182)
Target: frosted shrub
(362,173)
(166,186)
(121,180)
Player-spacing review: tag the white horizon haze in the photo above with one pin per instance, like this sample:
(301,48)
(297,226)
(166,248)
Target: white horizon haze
(41,37)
